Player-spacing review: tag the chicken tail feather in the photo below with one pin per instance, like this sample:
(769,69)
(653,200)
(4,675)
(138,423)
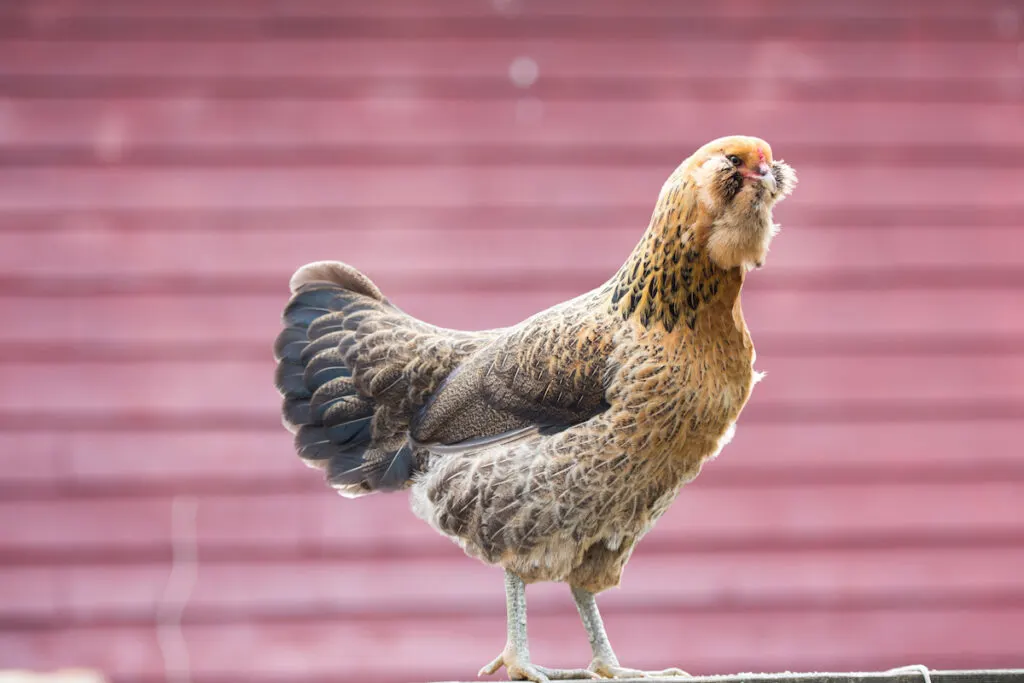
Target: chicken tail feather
(332,420)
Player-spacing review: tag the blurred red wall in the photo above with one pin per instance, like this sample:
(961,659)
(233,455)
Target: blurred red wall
(164,167)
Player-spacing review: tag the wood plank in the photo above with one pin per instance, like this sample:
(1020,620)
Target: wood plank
(860,313)
(807,61)
(728,92)
(999,26)
(181,387)
(405,251)
(68,461)
(904,674)
(396,119)
(703,517)
(31,461)
(80,247)
(249,319)
(881,447)
(233,318)
(469,8)
(759,580)
(823,186)
(426,648)
(339,220)
(41,23)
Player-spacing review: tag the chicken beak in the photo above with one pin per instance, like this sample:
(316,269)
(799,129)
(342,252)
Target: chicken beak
(764,175)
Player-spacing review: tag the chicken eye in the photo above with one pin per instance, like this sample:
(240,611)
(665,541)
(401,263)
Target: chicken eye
(734,160)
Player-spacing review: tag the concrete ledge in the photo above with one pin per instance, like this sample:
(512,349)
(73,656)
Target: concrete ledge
(902,675)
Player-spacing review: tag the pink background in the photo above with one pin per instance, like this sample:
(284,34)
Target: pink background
(164,167)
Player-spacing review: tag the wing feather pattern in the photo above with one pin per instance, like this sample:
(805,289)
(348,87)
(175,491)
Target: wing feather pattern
(537,378)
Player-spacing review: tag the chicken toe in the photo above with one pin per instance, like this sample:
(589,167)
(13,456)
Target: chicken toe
(606,670)
(519,669)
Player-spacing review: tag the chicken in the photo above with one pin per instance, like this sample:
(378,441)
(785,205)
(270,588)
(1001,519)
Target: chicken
(551,447)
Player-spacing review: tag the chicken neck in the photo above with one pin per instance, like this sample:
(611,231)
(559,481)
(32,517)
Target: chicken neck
(670,279)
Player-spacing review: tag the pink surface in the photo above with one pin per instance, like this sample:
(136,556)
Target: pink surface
(164,167)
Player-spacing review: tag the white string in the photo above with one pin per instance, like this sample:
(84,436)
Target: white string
(178,590)
(916,668)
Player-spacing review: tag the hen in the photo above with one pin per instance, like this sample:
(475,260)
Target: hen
(551,447)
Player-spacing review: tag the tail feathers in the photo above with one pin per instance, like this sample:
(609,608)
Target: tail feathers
(290,344)
(380,470)
(324,367)
(295,411)
(335,273)
(332,421)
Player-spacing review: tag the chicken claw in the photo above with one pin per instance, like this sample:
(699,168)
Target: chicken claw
(525,671)
(605,670)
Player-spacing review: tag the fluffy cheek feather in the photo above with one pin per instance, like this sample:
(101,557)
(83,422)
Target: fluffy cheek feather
(743,230)
(785,179)
(708,178)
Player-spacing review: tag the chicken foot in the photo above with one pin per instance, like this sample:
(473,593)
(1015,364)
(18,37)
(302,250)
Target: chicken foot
(605,663)
(516,655)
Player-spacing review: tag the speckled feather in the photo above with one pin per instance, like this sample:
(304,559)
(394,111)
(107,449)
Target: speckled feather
(551,447)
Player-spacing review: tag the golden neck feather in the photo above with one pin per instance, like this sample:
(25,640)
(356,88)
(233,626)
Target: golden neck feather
(670,279)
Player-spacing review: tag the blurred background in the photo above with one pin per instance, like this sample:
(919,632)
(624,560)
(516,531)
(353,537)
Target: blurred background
(166,166)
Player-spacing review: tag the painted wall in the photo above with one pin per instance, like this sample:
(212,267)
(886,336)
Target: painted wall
(164,167)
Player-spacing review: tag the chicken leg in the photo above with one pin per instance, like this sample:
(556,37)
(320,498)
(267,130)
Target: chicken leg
(605,663)
(516,655)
